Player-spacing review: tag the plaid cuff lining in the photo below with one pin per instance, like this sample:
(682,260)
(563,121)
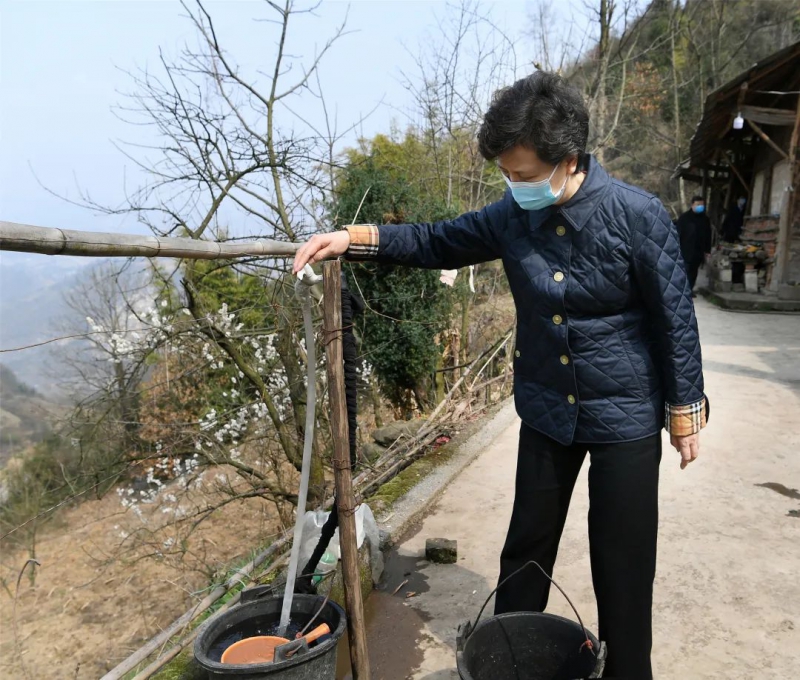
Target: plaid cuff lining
(681,421)
(364,239)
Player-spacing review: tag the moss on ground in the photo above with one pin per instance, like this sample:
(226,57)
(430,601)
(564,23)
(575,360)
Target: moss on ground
(182,667)
(385,497)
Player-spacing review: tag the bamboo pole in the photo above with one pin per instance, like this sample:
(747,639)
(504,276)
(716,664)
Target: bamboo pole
(345,498)
(54,241)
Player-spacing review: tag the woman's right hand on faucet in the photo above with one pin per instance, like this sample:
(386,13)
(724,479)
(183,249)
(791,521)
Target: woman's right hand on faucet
(321,247)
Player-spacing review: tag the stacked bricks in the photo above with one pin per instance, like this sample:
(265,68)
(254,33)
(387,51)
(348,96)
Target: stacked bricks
(762,230)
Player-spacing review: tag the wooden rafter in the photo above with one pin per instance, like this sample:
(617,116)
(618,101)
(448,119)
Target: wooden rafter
(766,138)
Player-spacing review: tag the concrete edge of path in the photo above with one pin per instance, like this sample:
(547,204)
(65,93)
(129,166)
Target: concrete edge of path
(750,303)
(474,440)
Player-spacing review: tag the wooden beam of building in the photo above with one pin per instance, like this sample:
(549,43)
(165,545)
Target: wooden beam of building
(697,179)
(767,116)
(766,138)
(53,241)
(745,186)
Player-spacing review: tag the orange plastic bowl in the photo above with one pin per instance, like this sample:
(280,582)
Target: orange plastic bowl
(261,648)
(257,649)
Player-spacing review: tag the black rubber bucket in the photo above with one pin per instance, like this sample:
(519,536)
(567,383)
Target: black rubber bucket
(528,646)
(256,615)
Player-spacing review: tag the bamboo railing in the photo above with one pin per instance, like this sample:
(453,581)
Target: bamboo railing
(53,241)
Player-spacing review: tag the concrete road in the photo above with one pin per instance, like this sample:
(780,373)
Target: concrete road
(727,597)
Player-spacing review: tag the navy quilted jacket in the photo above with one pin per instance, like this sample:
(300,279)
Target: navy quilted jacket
(606,328)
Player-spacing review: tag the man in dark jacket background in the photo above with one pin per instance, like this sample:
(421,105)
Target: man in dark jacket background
(734,220)
(694,230)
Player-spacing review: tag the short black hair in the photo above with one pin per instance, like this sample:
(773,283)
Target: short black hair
(543,113)
(698,198)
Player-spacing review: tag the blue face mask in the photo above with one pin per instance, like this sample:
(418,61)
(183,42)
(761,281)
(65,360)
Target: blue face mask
(535,195)
(699,209)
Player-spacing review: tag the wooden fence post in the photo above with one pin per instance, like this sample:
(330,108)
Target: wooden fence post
(345,498)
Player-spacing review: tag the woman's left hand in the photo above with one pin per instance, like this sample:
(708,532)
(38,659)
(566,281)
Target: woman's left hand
(688,447)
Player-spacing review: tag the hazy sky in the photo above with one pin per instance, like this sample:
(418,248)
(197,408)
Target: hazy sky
(62,69)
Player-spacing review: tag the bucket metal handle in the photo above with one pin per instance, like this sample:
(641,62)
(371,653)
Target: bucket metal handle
(587,643)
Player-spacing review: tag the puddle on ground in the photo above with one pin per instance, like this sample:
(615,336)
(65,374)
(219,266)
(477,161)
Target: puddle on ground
(794,494)
(394,628)
(403,568)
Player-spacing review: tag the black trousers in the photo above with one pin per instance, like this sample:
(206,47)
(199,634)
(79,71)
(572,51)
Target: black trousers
(692,269)
(623,528)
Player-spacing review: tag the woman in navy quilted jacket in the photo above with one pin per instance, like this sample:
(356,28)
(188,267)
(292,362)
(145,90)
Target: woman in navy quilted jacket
(607,348)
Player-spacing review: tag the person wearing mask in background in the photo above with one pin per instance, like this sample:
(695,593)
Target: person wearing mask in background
(734,221)
(694,229)
(607,348)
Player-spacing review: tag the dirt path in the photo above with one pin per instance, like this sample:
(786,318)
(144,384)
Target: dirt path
(727,593)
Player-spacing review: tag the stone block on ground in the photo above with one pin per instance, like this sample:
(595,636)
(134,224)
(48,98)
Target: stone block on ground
(386,436)
(441,550)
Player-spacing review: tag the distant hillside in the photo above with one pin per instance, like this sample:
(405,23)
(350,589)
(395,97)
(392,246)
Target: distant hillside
(646,106)
(31,303)
(25,415)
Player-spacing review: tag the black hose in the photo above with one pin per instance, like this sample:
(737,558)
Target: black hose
(350,304)
(350,360)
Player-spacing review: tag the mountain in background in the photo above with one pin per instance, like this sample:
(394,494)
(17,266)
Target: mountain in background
(25,415)
(31,304)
